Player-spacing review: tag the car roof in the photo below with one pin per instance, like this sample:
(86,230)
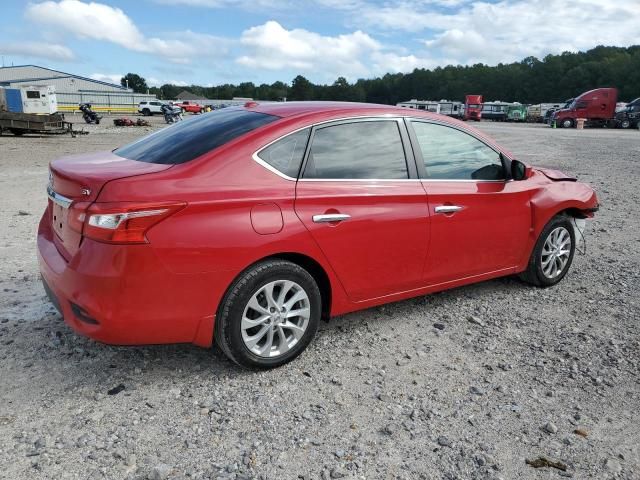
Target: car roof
(337,110)
(289,109)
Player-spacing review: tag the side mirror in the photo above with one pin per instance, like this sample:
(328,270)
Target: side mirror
(518,170)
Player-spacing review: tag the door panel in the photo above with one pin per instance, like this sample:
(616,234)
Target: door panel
(381,247)
(480,221)
(488,233)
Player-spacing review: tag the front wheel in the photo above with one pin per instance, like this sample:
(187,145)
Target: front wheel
(567,123)
(553,253)
(269,315)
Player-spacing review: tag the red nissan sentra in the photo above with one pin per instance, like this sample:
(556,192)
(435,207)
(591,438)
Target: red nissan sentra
(248,225)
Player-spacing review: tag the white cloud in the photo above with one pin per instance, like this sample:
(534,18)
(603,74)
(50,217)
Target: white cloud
(271,46)
(107,77)
(253,4)
(389,62)
(102,22)
(48,51)
(508,30)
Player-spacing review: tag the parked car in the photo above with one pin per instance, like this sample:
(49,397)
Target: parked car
(597,107)
(191,107)
(248,225)
(629,117)
(150,107)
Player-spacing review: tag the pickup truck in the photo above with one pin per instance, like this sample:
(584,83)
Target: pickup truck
(190,107)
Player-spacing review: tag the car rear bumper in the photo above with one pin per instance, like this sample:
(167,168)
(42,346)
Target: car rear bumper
(123,295)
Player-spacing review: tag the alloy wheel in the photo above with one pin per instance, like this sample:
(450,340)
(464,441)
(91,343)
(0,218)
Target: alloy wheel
(556,252)
(275,318)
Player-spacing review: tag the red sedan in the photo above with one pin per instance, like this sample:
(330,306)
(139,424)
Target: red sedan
(250,224)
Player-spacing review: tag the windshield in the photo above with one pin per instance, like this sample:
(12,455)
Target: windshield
(191,138)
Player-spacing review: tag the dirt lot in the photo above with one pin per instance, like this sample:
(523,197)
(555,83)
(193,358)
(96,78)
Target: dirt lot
(466,384)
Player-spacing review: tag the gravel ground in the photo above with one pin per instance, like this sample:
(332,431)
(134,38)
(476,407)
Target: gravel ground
(465,384)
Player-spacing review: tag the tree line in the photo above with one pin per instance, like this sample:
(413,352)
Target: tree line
(552,79)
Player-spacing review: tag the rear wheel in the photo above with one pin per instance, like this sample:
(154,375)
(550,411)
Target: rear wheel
(269,315)
(16,132)
(553,253)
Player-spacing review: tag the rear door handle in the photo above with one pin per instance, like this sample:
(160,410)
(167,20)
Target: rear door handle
(448,209)
(331,217)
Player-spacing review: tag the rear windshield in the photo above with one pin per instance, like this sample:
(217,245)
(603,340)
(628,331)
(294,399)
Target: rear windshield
(186,140)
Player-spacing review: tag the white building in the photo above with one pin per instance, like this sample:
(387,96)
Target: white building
(71,90)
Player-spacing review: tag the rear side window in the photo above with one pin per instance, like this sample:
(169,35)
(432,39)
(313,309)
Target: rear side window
(184,141)
(358,150)
(285,155)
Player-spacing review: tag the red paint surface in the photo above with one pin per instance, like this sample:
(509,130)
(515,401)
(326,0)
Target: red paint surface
(238,213)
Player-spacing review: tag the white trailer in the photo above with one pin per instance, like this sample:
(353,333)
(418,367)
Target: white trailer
(443,107)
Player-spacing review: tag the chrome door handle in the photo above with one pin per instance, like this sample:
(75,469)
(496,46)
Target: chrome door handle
(448,209)
(330,217)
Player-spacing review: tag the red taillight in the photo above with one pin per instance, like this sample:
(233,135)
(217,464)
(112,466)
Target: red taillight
(76,215)
(125,222)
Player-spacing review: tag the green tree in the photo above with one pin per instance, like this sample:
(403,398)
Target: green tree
(301,89)
(135,82)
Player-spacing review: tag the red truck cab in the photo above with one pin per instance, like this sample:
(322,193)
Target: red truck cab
(597,107)
(192,107)
(473,107)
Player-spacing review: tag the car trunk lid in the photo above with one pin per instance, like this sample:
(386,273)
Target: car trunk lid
(75,182)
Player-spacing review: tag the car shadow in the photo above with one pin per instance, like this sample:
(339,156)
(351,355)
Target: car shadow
(98,367)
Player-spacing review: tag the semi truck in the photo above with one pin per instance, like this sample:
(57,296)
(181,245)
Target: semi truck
(516,112)
(596,106)
(629,116)
(473,107)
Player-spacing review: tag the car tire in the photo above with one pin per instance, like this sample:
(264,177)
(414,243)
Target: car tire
(553,253)
(146,112)
(625,123)
(566,123)
(253,326)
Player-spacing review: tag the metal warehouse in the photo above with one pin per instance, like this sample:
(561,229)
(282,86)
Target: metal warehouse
(71,90)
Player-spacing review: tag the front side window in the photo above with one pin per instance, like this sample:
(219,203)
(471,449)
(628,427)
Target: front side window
(285,155)
(358,150)
(184,141)
(450,154)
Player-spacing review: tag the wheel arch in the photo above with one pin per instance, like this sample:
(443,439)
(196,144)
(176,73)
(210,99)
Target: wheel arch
(311,265)
(317,272)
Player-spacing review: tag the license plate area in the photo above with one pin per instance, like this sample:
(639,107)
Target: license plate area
(58,219)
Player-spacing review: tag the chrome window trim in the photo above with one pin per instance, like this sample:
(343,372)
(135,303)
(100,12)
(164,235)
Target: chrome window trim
(58,199)
(272,169)
(359,180)
(388,116)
